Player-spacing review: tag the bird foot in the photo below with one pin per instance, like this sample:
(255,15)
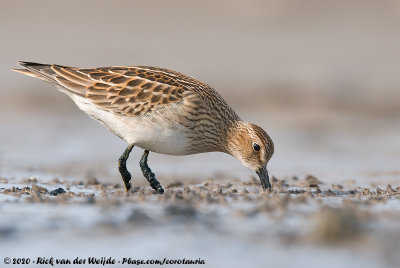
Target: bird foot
(127,183)
(155,184)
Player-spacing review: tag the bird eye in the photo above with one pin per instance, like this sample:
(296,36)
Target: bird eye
(256,147)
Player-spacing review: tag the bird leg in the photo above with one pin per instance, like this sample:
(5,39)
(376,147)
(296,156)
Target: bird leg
(126,176)
(149,175)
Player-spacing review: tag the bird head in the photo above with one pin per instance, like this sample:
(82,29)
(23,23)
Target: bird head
(252,146)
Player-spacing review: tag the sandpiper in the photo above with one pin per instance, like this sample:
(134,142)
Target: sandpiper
(159,110)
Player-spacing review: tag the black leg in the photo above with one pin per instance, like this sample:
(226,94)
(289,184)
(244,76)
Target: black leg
(126,176)
(150,176)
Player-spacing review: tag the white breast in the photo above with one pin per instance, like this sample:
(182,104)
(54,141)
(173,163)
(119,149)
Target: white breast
(160,134)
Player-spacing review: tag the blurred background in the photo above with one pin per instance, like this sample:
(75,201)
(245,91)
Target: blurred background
(321,77)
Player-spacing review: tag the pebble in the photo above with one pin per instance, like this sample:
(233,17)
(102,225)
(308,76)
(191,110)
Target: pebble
(58,191)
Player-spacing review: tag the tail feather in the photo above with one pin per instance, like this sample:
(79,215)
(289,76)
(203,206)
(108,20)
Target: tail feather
(25,71)
(47,73)
(39,70)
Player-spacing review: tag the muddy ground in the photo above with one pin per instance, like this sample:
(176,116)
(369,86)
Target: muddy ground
(301,222)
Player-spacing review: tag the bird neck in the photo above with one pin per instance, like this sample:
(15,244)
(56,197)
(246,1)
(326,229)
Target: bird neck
(235,137)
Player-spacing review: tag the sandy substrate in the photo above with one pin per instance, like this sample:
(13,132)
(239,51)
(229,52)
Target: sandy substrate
(302,222)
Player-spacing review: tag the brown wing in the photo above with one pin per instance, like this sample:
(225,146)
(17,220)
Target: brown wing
(123,90)
(133,90)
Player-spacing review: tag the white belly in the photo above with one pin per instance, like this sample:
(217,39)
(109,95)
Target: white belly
(155,133)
